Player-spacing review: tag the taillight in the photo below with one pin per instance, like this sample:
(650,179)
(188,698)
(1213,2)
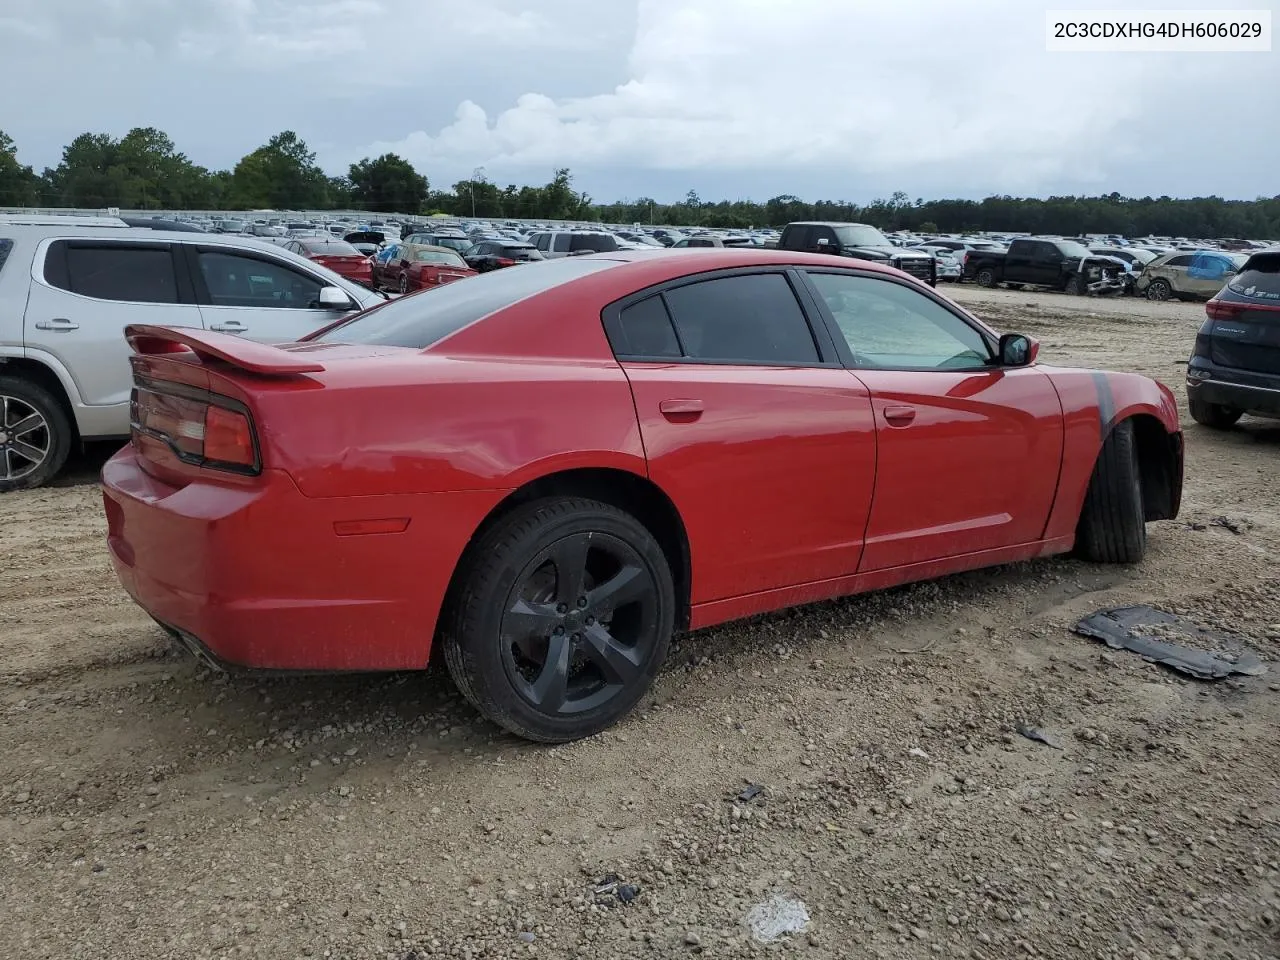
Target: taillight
(228,438)
(198,429)
(1223,309)
(505,262)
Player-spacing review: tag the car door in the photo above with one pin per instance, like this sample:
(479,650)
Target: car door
(1020,262)
(254,295)
(968,453)
(762,440)
(85,292)
(1175,271)
(1207,273)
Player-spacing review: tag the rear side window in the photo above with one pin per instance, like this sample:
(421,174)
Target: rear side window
(561,243)
(419,321)
(796,238)
(644,330)
(753,318)
(1260,278)
(123,272)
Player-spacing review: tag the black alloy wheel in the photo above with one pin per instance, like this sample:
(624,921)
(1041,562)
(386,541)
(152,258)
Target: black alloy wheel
(563,613)
(579,624)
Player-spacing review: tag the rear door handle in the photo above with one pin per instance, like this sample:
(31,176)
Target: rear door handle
(230,326)
(681,411)
(58,323)
(899,416)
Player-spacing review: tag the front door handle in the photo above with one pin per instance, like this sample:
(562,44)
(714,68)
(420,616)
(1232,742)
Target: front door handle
(899,416)
(681,411)
(58,323)
(229,326)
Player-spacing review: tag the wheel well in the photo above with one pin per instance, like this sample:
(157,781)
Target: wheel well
(37,373)
(637,495)
(1158,457)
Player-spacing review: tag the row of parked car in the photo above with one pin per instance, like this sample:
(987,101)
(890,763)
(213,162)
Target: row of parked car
(68,287)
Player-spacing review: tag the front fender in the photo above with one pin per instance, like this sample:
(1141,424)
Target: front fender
(1093,402)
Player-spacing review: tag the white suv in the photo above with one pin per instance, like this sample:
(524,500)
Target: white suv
(70,285)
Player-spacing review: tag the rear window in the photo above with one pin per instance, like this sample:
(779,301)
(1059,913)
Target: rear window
(521,253)
(419,321)
(1260,278)
(123,272)
(596,242)
(438,256)
(330,248)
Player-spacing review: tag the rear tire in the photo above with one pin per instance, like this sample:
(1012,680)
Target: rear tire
(986,277)
(1112,526)
(548,653)
(37,435)
(1213,415)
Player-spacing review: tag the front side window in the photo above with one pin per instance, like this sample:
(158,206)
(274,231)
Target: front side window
(1183,260)
(891,326)
(6,246)
(238,281)
(133,274)
(751,318)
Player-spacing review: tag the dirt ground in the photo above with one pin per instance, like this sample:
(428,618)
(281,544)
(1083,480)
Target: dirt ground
(150,809)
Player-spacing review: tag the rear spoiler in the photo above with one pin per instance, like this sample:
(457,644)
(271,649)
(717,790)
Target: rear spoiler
(150,340)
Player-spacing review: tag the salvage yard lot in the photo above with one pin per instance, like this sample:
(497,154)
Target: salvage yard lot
(149,809)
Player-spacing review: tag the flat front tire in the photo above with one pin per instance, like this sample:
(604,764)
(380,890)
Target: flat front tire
(562,614)
(1113,526)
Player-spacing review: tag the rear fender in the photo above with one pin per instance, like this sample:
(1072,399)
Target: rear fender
(1093,402)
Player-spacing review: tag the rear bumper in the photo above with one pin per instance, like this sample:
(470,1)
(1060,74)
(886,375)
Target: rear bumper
(258,576)
(1256,393)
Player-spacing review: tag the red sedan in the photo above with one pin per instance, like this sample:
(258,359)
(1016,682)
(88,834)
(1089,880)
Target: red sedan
(549,470)
(338,255)
(408,267)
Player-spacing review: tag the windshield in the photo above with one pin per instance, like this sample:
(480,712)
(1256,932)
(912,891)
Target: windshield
(1071,248)
(858,235)
(418,321)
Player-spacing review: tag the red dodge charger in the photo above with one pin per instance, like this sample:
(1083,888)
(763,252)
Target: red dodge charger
(549,470)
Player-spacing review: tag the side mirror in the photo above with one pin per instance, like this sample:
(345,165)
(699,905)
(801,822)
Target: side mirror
(334,298)
(1018,350)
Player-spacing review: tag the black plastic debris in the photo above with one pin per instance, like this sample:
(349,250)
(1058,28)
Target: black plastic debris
(610,888)
(752,791)
(1042,736)
(1238,527)
(1118,628)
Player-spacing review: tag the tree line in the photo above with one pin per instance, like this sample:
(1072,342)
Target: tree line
(144,170)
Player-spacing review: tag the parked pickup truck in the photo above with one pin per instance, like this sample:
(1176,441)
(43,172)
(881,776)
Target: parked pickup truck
(860,241)
(1062,264)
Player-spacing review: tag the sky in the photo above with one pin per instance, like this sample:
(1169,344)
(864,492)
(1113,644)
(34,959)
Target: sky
(825,99)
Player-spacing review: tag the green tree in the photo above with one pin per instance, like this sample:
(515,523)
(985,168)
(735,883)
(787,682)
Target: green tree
(19,185)
(280,175)
(387,184)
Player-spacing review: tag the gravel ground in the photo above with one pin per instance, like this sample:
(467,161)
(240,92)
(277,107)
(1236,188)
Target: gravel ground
(149,809)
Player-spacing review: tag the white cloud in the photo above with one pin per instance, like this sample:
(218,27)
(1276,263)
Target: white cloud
(958,93)
(825,98)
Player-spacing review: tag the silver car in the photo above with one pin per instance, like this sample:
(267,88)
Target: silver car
(70,285)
